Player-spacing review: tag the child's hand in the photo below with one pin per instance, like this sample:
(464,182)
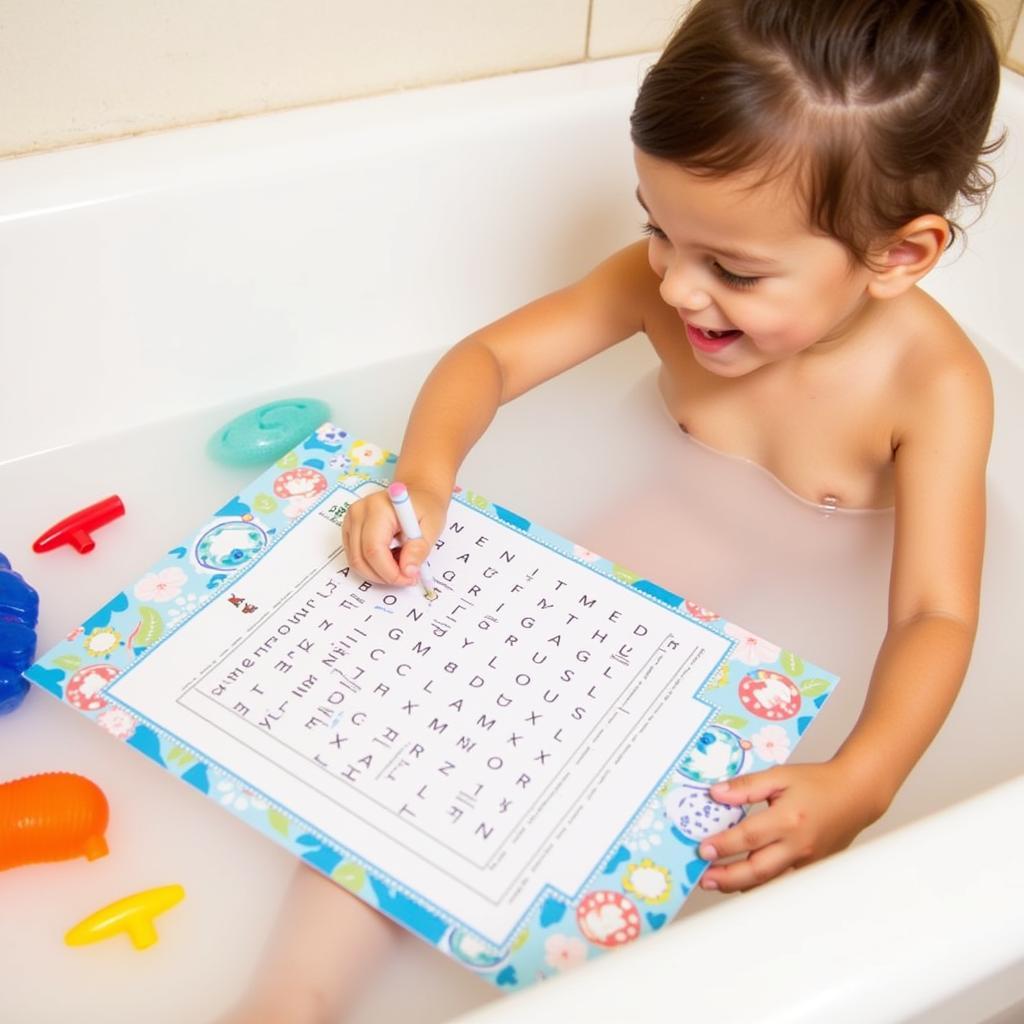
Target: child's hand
(814,810)
(369,527)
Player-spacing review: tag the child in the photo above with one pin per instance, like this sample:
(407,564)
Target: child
(797,161)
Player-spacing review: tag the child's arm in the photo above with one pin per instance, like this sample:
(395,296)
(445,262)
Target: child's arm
(465,389)
(940,454)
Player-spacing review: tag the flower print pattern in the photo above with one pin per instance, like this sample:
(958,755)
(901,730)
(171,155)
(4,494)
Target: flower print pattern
(117,722)
(564,952)
(771,744)
(328,433)
(750,648)
(696,815)
(363,453)
(608,918)
(184,606)
(648,881)
(699,612)
(769,694)
(646,832)
(472,951)
(85,688)
(102,642)
(236,797)
(164,585)
(299,488)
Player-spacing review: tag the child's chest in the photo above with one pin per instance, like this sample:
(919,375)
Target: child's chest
(824,432)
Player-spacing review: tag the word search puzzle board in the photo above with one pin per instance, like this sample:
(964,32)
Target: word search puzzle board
(517,771)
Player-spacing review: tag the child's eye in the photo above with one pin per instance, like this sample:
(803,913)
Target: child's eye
(650,229)
(733,280)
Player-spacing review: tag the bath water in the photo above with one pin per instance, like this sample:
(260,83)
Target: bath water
(591,455)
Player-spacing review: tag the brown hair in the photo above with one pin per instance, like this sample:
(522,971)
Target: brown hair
(882,106)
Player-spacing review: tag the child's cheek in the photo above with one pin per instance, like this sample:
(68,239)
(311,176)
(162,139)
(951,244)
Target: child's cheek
(765,322)
(654,259)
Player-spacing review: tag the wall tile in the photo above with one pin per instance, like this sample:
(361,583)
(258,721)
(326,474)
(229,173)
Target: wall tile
(632,26)
(1015,56)
(79,70)
(1005,14)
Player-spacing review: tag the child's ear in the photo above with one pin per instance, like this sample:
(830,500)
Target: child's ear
(910,254)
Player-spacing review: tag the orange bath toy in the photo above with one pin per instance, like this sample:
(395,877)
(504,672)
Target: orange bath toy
(54,816)
(133,915)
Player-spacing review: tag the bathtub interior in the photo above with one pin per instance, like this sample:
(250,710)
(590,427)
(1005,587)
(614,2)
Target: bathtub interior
(168,287)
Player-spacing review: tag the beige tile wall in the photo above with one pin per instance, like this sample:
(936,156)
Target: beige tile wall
(1015,55)
(75,71)
(1005,14)
(631,26)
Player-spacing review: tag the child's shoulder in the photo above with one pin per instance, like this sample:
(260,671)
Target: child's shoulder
(937,350)
(939,370)
(629,269)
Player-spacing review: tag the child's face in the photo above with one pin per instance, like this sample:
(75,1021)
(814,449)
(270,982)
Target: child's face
(739,259)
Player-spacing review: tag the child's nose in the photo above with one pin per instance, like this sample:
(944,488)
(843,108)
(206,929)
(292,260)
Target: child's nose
(680,289)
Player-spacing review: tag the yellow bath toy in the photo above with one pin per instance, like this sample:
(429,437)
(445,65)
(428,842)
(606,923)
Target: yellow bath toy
(133,915)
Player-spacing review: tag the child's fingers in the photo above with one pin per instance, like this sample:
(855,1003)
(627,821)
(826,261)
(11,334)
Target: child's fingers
(353,540)
(761,866)
(350,530)
(366,532)
(413,554)
(750,789)
(752,833)
(375,548)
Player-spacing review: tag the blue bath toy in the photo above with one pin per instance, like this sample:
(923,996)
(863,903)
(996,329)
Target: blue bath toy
(19,613)
(261,436)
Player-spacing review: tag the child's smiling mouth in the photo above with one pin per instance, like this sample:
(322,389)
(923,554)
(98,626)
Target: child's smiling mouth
(708,340)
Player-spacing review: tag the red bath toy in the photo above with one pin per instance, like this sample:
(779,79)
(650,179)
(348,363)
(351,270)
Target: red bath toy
(75,529)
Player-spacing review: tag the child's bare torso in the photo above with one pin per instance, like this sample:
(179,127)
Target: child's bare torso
(824,422)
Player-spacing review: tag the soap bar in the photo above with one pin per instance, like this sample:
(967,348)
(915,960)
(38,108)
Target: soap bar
(261,436)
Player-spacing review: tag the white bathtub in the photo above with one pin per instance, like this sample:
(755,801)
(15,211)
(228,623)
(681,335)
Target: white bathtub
(151,288)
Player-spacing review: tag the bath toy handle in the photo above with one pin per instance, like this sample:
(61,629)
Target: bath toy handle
(74,529)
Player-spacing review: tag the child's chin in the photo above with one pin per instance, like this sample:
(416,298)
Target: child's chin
(735,364)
